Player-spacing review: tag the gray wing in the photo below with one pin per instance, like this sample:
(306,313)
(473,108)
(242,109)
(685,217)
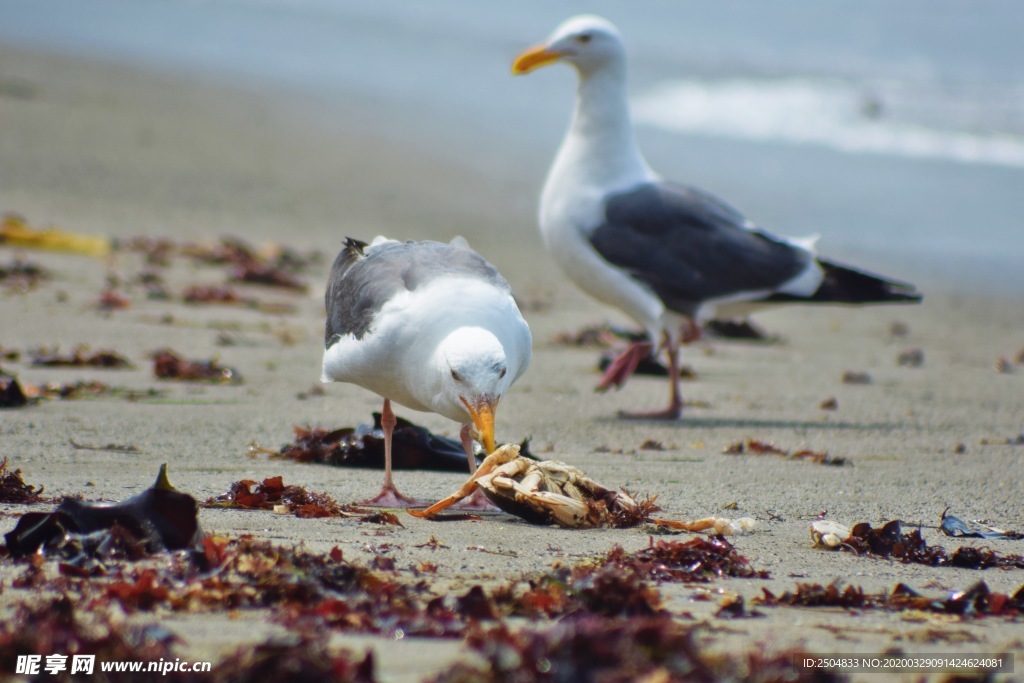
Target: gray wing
(364,279)
(690,247)
(344,316)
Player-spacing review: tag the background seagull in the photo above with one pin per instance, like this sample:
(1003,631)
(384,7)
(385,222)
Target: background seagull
(665,254)
(428,325)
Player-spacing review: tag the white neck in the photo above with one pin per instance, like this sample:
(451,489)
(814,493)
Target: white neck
(600,149)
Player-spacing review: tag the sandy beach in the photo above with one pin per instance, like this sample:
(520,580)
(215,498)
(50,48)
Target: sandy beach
(107,150)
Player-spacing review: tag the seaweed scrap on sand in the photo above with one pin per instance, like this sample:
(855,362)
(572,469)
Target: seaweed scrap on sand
(14,490)
(890,542)
(272,494)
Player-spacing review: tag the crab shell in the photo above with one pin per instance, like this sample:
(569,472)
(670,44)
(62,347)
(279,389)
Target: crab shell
(539,492)
(828,534)
(552,492)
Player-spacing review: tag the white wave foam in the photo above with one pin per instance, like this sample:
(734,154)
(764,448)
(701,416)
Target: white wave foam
(839,115)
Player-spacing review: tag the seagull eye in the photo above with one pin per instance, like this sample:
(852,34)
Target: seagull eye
(456,376)
(585,38)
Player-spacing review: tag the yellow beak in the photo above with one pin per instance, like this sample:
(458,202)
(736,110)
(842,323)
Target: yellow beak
(483,421)
(534,58)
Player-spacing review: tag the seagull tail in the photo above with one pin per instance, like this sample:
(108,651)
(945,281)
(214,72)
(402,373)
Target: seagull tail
(845,285)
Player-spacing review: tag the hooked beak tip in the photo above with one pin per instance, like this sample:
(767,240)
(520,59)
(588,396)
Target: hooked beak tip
(482,415)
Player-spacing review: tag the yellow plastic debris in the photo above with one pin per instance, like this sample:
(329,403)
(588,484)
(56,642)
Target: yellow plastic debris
(16,232)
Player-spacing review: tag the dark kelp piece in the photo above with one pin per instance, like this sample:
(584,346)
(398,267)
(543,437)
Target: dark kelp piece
(80,357)
(650,366)
(11,395)
(954,526)
(889,541)
(13,488)
(169,365)
(737,329)
(607,336)
(976,601)
(413,448)
(161,517)
(817,595)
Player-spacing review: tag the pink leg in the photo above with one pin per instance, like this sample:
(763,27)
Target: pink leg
(389,497)
(692,332)
(478,499)
(675,403)
(624,365)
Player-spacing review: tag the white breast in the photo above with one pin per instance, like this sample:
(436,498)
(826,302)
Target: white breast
(396,359)
(570,210)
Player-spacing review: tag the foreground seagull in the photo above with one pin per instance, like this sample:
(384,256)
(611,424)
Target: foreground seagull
(664,254)
(428,325)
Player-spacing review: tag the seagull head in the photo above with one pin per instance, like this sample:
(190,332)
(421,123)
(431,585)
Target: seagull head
(588,42)
(475,375)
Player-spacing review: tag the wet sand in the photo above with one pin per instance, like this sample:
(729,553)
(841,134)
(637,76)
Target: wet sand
(106,150)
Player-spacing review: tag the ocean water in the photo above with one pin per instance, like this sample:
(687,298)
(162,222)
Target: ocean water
(893,128)
(966,124)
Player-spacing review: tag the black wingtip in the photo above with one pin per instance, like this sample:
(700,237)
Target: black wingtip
(843,284)
(358,246)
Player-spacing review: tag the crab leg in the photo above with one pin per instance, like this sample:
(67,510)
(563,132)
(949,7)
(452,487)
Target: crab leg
(720,525)
(503,455)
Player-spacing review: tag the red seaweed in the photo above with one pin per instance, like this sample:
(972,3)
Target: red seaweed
(14,490)
(168,365)
(976,601)
(272,493)
(595,650)
(699,559)
(757,447)
(890,542)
